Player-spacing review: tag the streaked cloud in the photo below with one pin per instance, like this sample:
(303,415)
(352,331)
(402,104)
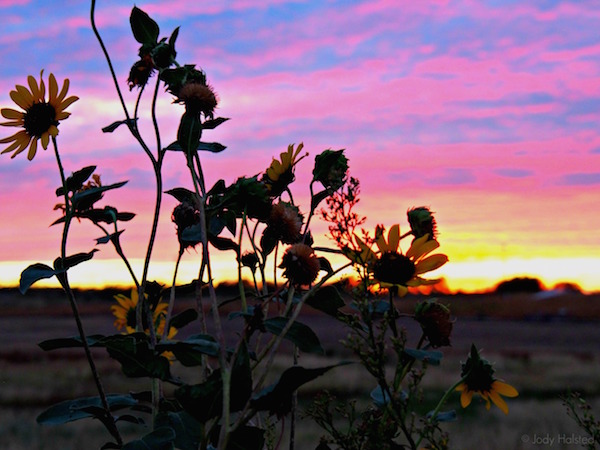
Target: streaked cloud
(486,100)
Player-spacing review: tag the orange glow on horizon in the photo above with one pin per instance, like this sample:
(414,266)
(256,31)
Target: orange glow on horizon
(466,276)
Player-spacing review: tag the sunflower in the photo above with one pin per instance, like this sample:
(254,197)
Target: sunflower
(281,173)
(39,118)
(478,378)
(394,269)
(125,312)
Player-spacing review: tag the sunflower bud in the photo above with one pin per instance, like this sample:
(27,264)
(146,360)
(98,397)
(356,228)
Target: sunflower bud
(300,264)
(331,168)
(435,321)
(422,222)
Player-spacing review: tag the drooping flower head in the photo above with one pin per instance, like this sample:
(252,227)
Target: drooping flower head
(39,119)
(479,379)
(280,173)
(422,222)
(392,269)
(435,321)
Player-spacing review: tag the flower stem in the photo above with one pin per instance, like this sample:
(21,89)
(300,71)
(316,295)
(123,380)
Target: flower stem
(109,422)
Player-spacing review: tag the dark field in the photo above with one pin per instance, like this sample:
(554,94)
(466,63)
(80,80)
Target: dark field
(543,347)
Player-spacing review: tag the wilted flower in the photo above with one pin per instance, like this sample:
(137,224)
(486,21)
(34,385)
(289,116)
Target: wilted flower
(422,222)
(185,215)
(300,264)
(280,174)
(435,321)
(285,223)
(141,72)
(250,260)
(479,379)
(39,118)
(331,168)
(198,98)
(394,269)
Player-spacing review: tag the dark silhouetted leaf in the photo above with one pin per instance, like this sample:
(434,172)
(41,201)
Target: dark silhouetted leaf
(160,439)
(184,318)
(113,126)
(214,123)
(54,344)
(81,408)
(277,398)
(213,147)
(33,273)
(145,30)
(326,299)
(301,335)
(76,180)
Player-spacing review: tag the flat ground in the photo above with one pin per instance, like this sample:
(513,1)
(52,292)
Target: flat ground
(544,347)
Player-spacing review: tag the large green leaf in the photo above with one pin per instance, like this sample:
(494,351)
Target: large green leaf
(81,408)
(33,273)
(277,398)
(214,123)
(192,351)
(205,401)
(213,147)
(75,181)
(301,335)
(145,30)
(326,299)
(83,197)
(58,343)
(113,126)
(188,431)
(136,357)
(160,439)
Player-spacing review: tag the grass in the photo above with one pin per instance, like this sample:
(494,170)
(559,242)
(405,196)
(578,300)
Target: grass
(542,358)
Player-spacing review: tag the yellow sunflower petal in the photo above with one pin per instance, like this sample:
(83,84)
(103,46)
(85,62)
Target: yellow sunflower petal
(12,123)
(461,387)
(52,131)
(498,401)
(22,97)
(52,89)
(33,86)
(45,140)
(504,389)
(430,263)
(12,114)
(465,398)
(22,146)
(401,290)
(382,245)
(415,247)
(32,149)
(394,237)
(65,103)
(418,281)
(426,248)
(63,91)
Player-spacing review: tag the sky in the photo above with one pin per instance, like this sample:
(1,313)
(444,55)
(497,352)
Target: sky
(485,111)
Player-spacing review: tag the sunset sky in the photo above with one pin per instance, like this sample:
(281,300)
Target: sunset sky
(486,111)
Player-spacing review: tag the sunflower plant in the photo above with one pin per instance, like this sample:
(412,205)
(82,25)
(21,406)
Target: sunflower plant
(203,388)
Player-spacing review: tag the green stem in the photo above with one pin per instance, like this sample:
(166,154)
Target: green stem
(172,296)
(110,424)
(441,403)
(239,263)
